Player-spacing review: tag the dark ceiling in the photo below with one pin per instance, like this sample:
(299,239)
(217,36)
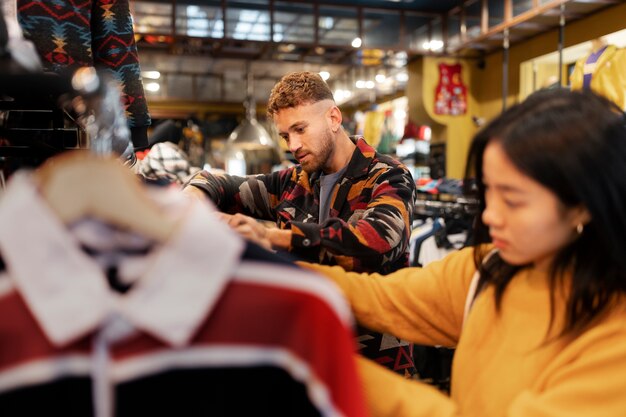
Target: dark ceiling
(206,50)
(429,6)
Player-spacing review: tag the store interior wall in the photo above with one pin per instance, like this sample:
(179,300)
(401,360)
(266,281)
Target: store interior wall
(459,129)
(455,131)
(483,79)
(415,93)
(488,88)
(485,85)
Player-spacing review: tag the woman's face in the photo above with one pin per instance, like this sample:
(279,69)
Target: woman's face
(526,221)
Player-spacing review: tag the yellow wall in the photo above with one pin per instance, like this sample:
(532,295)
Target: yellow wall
(534,76)
(485,85)
(455,131)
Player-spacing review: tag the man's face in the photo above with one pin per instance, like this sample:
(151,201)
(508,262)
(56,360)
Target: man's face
(306,129)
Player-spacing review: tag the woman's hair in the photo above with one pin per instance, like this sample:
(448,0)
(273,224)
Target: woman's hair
(298,88)
(574,144)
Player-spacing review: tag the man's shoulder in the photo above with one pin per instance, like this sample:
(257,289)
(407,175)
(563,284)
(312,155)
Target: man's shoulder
(377,160)
(388,160)
(367,162)
(388,164)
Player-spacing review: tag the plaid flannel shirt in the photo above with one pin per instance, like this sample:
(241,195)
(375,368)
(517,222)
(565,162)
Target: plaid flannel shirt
(369,221)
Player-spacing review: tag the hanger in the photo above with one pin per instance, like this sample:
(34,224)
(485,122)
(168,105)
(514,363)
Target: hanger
(79,185)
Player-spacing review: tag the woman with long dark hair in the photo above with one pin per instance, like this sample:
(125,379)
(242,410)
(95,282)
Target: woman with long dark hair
(537,307)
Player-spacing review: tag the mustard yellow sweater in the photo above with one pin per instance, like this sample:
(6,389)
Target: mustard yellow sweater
(503,367)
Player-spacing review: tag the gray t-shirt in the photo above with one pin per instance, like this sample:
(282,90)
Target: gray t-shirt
(327,182)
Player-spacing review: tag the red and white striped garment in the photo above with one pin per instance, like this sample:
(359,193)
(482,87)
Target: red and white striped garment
(208,326)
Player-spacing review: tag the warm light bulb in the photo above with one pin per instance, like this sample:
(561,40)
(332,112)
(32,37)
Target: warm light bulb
(153,75)
(153,87)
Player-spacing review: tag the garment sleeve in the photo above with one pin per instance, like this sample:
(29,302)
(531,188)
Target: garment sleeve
(374,236)
(253,195)
(426,305)
(591,383)
(421,305)
(388,394)
(114,49)
(613,85)
(576,78)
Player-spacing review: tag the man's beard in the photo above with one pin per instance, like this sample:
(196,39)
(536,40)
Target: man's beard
(320,159)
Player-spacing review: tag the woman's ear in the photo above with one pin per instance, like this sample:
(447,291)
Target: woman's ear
(580,215)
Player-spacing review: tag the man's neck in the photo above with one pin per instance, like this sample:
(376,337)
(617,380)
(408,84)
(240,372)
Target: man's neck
(343,150)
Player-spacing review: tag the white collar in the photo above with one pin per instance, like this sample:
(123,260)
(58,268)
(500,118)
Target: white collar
(68,294)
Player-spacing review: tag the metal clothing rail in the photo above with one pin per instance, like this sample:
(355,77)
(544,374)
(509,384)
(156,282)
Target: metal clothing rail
(460,207)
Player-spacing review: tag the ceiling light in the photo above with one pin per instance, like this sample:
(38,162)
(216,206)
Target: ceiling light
(153,87)
(402,77)
(434,45)
(341,95)
(326,22)
(356,42)
(286,47)
(325,75)
(399,114)
(380,78)
(153,75)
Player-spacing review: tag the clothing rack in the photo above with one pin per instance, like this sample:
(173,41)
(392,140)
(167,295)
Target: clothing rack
(38,119)
(459,207)
(434,363)
(33,124)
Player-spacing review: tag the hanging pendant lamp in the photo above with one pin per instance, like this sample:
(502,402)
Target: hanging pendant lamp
(250,149)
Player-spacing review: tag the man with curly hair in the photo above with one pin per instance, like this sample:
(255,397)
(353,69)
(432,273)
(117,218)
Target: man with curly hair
(343,204)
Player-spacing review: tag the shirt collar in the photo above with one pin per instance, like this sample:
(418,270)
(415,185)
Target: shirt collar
(361,159)
(358,165)
(67,292)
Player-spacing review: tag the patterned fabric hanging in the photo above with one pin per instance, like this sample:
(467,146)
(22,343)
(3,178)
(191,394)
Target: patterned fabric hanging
(76,33)
(450,93)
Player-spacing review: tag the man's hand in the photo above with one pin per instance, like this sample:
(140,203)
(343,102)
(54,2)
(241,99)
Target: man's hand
(250,229)
(194,192)
(270,237)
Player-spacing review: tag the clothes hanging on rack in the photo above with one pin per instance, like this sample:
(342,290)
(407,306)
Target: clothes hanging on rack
(208,326)
(166,162)
(419,234)
(602,71)
(445,227)
(440,244)
(95,33)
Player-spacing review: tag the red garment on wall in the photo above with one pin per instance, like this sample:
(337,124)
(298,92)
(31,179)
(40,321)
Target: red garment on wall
(450,93)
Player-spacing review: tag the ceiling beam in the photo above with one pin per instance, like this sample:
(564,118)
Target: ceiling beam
(607,2)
